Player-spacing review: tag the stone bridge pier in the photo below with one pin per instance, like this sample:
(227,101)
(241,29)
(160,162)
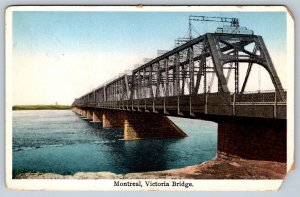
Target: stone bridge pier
(253,138)
(139,125)
(244,137)
(97,115)
(136,125)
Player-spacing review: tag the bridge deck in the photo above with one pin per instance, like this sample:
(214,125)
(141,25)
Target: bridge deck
(262,105)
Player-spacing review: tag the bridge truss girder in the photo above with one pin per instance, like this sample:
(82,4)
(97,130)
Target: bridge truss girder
(184,69)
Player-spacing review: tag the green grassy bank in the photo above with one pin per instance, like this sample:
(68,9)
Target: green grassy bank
(40,107)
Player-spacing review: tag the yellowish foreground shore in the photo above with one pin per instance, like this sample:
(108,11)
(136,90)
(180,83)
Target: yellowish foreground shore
(219,168)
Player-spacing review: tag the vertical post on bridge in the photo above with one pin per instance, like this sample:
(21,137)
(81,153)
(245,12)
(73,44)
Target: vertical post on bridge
(205,109)
(234,102)
(144,84)
(167,77)
(178,105)
(177,81)
(139,90)
(153,105)
(191,70)
(275,105)
(204,78)
(165,105)
(191,110)
(150,81)
(236,77)
(145,87)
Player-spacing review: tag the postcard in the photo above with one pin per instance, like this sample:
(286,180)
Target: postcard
(149,98)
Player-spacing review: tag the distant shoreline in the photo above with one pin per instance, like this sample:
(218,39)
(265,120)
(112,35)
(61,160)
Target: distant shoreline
(41,107)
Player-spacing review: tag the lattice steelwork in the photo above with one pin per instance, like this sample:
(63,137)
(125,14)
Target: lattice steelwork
(185,70)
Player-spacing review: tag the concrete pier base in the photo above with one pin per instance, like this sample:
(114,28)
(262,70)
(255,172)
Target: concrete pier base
(243,137)
(76,110)
(97,116)
(136,125)
(89,114)
(84,113)
(112,119)
(148,125)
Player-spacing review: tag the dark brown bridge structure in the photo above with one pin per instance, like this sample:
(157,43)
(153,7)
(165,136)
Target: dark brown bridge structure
(251,125)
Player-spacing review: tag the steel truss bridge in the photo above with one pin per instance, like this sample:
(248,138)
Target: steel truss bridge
(176,83)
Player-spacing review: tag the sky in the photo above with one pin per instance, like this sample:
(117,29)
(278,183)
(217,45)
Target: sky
(58,56)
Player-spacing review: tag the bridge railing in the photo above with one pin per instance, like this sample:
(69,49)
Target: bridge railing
(259,97)
(172,104)
(252,104)
(263,97)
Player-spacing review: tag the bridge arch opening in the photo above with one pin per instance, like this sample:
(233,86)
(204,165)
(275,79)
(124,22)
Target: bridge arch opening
(259,78)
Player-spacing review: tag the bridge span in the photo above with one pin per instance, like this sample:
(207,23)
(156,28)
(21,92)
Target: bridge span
(251,125)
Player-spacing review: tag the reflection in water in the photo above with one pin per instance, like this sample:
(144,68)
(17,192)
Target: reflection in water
(61,142)
(147,155)
(143,154)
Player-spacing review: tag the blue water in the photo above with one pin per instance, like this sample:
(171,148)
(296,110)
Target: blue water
(60,141)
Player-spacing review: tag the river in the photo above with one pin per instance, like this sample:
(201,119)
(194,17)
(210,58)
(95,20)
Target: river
(59,141)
